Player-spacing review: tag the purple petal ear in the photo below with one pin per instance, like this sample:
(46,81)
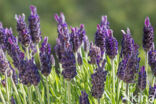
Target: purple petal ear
(147,22)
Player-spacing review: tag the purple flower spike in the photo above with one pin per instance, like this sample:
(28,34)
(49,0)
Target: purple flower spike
(28,73)
(142,79)
(98,79)
(2,35)
(100,39)
(84,98)
(46,58)
(148,35)
(79,59)
(127,43)
(86,44)
(94,54)
(34,25)
(75,39)
(152,92)
(152,60)
(111,45)
(82,33)
(69,65)
(23,32)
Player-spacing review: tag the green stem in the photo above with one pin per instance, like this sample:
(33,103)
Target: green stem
(153,81)
(2,97)
(29,95)
(141,97)
(119,87)
(27,53)
(24,93)
(16,92)
(146,65)
(47,87)
(7,89)
(39,94)
(127,91)
(113,76)
(69,89)
(98,100)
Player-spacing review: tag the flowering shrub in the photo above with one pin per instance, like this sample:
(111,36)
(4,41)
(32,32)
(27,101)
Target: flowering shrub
(89,73)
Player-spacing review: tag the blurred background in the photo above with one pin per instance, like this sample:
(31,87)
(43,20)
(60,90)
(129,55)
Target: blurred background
(121,14)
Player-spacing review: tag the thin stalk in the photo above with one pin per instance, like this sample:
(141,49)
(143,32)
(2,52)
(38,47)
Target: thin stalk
(69,91)
(98,100)
(16,92)
(47,87)
(141,97)
(29,95)
(7,89)
(39,94)
(24,93)
(118,93)
(127,91)
(2,97)
(27,53)
(146,65)
(113,76)
(153,81)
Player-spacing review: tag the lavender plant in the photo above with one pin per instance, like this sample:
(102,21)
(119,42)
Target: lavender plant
(29,73)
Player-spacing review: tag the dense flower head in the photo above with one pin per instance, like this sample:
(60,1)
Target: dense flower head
(94,54)
(98,79)
(68,64)
(128,67)
(127,43)
(34,25)
(46,58)
(2,35)
(152,60)
(84,98)
(23,32)
(62,29)
(28,72)
(111,45)
(79,59)
(142,79)
(148,35)
(152,92)
(14,51)
(86,44)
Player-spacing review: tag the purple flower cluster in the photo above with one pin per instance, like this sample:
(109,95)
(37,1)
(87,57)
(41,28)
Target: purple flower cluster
(23,32)
(152,60)
(94,54)
(142,79)
(2,35)
(128,67)
(148,35)
(111,45)
(84,98)
(46,58)
(98,79)
(100,35)
(34,25)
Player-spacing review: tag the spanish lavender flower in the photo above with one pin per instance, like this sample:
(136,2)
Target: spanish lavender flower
(75,39)
(23,32)
(69,65)
(79,59)
(86,44)
(46,57)
(129,66)
(98,79)
(4,65)
(152,58)
(127,43)
(28,72)
(82,33)
(100,39)
(2,35)
(84,98)
(34,25)
(111,45)
(148,35)
(142,79)
(12,100)
(94,54)
(152,92)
